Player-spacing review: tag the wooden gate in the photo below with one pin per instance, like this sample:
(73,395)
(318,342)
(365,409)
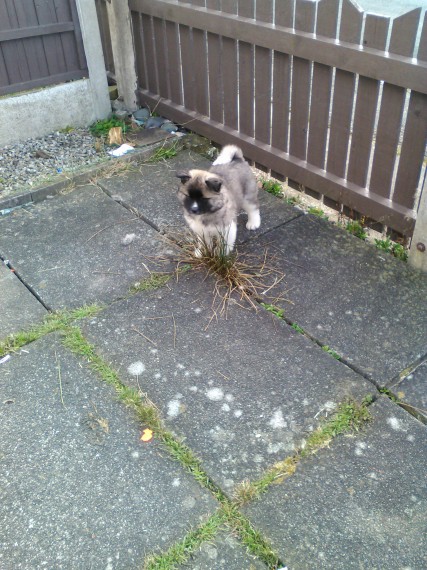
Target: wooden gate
(40,44)
(320,93)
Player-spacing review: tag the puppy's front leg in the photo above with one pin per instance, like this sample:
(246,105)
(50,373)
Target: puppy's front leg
(230,237)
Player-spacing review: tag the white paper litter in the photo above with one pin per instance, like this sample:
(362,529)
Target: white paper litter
(4,359)
(123,149)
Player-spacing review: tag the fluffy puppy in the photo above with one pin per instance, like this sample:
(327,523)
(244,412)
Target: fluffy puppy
(213,199)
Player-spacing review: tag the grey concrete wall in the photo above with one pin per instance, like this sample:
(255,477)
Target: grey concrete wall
(78,103)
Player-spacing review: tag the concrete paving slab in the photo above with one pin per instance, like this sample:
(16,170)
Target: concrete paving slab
(18,307)
(71,251)
(362,503)
(225,553)
(78,488)
(242,390)
(152,189)
(368,306)
(413,389)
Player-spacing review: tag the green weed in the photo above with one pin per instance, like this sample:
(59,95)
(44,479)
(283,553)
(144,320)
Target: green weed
(152,282)
(101,128)
(317,212)
(272,187)
(395,249)
(331,352)
(356,228)
(280,313)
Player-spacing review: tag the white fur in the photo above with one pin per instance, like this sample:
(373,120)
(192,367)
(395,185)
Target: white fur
(208,233)
(227,154)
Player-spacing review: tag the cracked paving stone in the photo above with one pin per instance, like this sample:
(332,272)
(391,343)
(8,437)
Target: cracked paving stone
(81,247)
(19,308)
(361,503)
(243,391)
(77,486)
(365,304)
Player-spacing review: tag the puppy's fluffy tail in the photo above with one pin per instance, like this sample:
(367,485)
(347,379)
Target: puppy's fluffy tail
(228,154)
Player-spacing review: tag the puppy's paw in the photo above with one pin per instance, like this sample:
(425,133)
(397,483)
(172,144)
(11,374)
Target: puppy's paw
(254,222)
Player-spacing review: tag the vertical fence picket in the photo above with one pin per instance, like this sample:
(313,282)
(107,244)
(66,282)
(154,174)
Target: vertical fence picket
(216,90)
(344,87)
(150,54)
(327,18)
(414,139)
(230,72)
(139,50)
(391,112)
(301,72)
(188,84)
(263,13)
(161,57)
(375,36)
(200,66)
(246,9)
(174,62)
(284,16)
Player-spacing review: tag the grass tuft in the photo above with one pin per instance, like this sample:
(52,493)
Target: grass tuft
(356,228)
(395,249)
(51,323)
(152,282)
(163,153)
(243,277)
(331,351)
(272,187)
(181,551)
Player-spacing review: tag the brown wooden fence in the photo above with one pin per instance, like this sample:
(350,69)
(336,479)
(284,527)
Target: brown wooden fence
(40,44)
(320,93)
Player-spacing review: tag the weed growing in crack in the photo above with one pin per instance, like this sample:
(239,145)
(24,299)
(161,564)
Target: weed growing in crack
(51,323)
(163,153)
(395,249)
(355,228)
(273,309)
(349,417)
(332,352)
(272,187)
(181,551)
(317,212)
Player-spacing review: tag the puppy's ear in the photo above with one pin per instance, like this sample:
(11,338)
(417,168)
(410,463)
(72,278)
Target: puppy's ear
(183,176)
(214,184)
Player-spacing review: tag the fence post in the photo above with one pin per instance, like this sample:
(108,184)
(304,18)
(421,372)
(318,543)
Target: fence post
(418,251)
(123,51)
(94,57)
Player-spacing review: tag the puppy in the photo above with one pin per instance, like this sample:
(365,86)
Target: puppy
(213,199)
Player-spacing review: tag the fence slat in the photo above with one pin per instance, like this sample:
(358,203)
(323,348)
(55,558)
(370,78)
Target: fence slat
(301,71)
(230,72)
(149,53)
(216,90)
(264,12)
(284,16)
(14,55)
(200,71)
(375,36)
(391,112)
(68,41)
(52,45)
(139,49)
(327,18)
(161,57)
(412,152)
(246,9)
(174,60)
(344,86)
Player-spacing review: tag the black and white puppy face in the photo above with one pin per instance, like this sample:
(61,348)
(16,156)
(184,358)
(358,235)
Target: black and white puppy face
(200,192)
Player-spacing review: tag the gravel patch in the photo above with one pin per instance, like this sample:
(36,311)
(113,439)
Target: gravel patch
(28,164)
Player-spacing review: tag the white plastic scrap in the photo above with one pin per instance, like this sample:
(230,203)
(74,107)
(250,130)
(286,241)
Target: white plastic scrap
(121,150)
(4,359)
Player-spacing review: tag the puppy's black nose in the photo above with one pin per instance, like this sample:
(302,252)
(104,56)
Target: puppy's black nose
(194,208)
